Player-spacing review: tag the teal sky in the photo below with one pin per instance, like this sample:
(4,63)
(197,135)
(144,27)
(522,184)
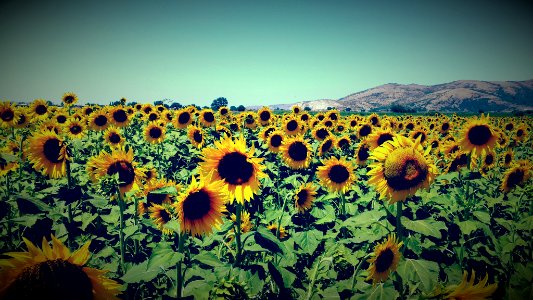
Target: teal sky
(253,52)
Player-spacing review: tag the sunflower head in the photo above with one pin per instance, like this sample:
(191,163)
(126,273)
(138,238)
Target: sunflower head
(200,207)
(207,117)
(154,133)
(47,152)
(466,289)
(99,120)
(296,152)
(385,259)
(362,153)
(518,174)
(39,107)
(336,175)
(53,272)
(8,114)
(379,137)
(401,168)
(274,141)
(196,136)
(119,116)
(69,99)
(235,166)
(478,135)
(161,215)
(304,196)
(113,136)
(183,118)
(327,145)
(265,115)
(75,128)
(274,230)
(120,163)
(320,132)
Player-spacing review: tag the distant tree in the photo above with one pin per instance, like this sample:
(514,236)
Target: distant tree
(233,108)
(218,102)
(115,103)
(158,102)
(347,109)
(307,108)
(131,103)
(241,108)
(176,105)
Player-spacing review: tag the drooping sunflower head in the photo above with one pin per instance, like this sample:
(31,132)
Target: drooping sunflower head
(304,196)
(153,196)
(275,139)
(196,136)
(401,168)
(113,136)
(235,166)
(478,135)
(327,145)
(200,207)
(69,99)
(274,230)
(296,152)
(385,259)
(362,153)
(117,162)
(336,175)
(320,133)
(517,175)
(53,272)
(154,133)
(265,115)
(47,152)
(75,128)
(161,215)
(344,142)
(466,289)
(207,117)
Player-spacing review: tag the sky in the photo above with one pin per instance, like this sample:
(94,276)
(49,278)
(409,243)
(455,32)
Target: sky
(254,52)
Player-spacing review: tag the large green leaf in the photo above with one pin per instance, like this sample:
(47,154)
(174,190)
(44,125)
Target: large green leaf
(382,291)
(163,256)
(199,289)
(365,219)
(268,241)
(482,216)
(209,259)
(467,226)
(427,227)
(419,270)
(141,272)
(308,240)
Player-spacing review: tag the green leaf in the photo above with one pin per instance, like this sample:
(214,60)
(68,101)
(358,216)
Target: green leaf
(86,219)
(140,272)
(482,216)
(467,227)
(172,225)
(308,240)
(27,220)
(164,257)
(199,289)
(209,259)
(38,203)
(382,291)
(427,227)
(365,219)
(171,190)
(420,270)
(268,241)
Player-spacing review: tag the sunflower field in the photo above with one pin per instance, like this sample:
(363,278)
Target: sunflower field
(139,201)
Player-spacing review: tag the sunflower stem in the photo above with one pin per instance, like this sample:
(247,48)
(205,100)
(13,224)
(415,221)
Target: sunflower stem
(238,233)
(179,274)
(343,206)
(121,231)
(358,268)
(69,205)
(399,229)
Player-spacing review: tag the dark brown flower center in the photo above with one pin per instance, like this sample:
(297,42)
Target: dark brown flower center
(420,134)
(405,169)
(153,117)
(374,120)
(343,143)
(235,169)
(519,132)
(61,119)
(184,118)
(153,198)
(75,129)
(41,109)
(363,153)
(326,146)
(384,260)
(265,116)
(489,159)
(100,120)
(302,197)
(88,111)
(52,279)
(52,150)
(126,173)
(509,126)
(165,216)
(197,136)
(383,138)
(120,116)
(223,111)
(445,126)
(209,117)
(292,125)
(515,178)
(197,205)
(114,138)
(365,130)
(68,99)
(508,158)
(298,151)
(338,174)
(275,140)
(155,132)
(479,135)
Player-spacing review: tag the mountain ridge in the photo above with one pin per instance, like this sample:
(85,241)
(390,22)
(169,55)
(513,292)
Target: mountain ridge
(455,96)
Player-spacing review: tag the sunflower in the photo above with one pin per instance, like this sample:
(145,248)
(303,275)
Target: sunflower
(153,116)
(75,129)
(374,119)
(343,142)
(444,127)
(507,158)
(117,162)
(47,152)
(53,272)
(385,259)
(69,99)
(113,136)
(364,130)
(304,117)
(304,196)
(320,133)
(326,146)
(5,166)
(246,224)
(153,198)
(183,118)
(274,230)
(296,152)
(154,133)
(119,116)
(516,175)
(207,117)
(521,133)
(379,137)
(450,148)
(296,109)
(265,133)
(419,133)
(23,117)
(468,290)
(401,168)
(250,120)
(99,120)
(238,168)
(274,141)
(200,207)
(488,161)
(39,107)
(265,115)
(223,131)
(196,136)
(362,153)
(223,111)
(88,110)
(336,175)
(460,160)
(478,135)
(8,114)
(161,215)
